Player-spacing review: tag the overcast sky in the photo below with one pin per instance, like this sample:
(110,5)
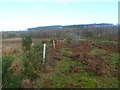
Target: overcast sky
(23,14)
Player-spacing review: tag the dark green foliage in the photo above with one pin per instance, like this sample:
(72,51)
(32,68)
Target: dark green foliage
(35,53)
(26,43)
(32,61)
(6,63)
(45,41)
(9,80)
(38,47)
(28,70)
(14,81)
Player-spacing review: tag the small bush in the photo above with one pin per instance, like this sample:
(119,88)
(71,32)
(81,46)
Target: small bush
(72,37)
(28,70)
(38,47)
(26,43)
(9,80)
(6,63)
(35,54)
(14,81)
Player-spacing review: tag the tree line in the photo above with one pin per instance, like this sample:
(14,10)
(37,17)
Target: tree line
(94,31)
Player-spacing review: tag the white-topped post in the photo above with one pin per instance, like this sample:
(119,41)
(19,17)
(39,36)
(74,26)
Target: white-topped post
(44,51)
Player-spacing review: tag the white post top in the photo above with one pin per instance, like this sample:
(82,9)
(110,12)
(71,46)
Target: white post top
(44,49)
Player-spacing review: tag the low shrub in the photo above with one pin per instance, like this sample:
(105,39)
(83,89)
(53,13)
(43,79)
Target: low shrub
(14,81)
(26,43)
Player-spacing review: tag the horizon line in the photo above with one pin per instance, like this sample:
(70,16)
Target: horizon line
(55,25)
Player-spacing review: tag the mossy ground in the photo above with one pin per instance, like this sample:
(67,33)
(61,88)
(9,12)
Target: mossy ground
(82,79)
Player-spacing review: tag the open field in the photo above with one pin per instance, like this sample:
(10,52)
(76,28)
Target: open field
(77,64)
(14,44)
(60,44)
(76,56)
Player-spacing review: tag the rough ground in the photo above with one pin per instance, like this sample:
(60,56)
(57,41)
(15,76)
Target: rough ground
(81,64)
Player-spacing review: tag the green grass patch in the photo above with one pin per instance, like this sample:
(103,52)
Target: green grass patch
(78,79)
(97,81)
(114,57)
(67,49)
(65,64)
(62,81)
(82,79)
(104,82)
(105,41)
(83,39)
(98,51)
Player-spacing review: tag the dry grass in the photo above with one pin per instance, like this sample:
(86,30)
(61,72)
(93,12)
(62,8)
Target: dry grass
(11,44)
(17,66)
(11,39)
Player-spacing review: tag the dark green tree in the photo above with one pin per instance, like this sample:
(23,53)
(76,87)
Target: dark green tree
(26,43)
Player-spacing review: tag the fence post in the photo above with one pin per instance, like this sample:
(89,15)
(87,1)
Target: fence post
(53,44)
(44,49)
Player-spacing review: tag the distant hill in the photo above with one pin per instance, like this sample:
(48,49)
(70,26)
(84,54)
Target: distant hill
(63,26)
(95,31)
